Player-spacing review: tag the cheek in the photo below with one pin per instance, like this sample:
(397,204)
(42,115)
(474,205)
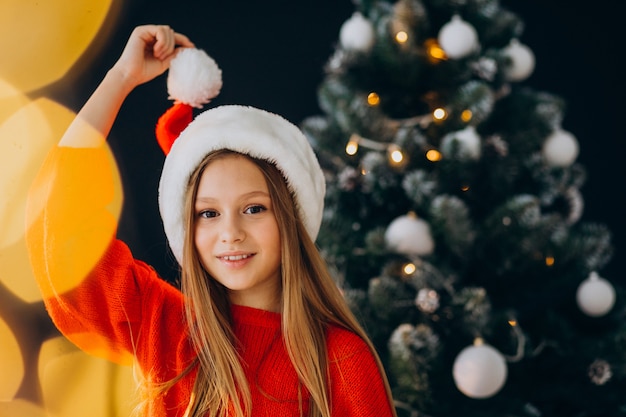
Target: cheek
(202,241)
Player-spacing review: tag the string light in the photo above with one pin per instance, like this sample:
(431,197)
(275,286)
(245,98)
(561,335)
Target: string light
(440,114)
(396,157)
(434,51)
(512,322)
(433,155)
(549,260)
(394,152)
(401,37)
(465,188)
(353,145)
(373,99)
(409,268)
(466,115)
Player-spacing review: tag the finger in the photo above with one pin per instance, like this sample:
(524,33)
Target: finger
(164,42)
(182,40)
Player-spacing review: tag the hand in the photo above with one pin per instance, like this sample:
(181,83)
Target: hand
(148,53)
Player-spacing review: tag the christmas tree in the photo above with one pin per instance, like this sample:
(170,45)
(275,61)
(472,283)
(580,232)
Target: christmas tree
(453,217)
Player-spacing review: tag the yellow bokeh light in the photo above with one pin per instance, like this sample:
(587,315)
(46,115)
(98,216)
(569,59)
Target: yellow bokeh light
(20,407)
(550,260)
(81,247)
(465,188)
(440,114)
(433,155)
(466,115)
(41,40)
(435,52)
(25,139)
(402,37)
(73,382)
(373,99)
(512,322)
(409,268)
(352,147)
(395,155)
(11,363)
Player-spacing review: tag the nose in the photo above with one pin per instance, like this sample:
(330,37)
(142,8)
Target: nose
(231,229)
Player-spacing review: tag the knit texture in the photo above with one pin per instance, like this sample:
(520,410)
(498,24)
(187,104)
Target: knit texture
(123,308)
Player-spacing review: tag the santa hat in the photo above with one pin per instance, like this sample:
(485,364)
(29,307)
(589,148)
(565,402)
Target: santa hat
(193,80)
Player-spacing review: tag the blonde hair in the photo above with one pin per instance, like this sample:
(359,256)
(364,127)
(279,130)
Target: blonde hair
(309,304)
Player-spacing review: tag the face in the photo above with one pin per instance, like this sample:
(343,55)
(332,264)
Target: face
(236,233)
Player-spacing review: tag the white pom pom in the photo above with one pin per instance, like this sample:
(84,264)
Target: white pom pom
(467,140)
(410,236)
(560,149)
(194,78)
(522,61)
(479,371)
(595,296)
(357,33)
(458,38)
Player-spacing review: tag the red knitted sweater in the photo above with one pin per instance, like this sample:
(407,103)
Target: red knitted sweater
(123,308)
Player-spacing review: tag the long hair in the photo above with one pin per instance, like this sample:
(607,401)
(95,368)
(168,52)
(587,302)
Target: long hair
(310,302)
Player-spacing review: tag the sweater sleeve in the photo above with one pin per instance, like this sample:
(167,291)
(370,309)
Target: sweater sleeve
(97,294)
(357,387)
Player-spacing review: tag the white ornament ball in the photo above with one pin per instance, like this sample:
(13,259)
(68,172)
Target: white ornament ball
(560,149)
(595,296)
(458,38)
(468,141)
(522,61)
(479,371)
(357,34)
(409,235)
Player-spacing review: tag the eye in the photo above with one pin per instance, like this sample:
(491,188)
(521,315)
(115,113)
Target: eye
(207,214)
(255,209)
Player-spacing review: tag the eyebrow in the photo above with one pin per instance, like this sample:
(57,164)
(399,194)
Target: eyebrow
(251,194)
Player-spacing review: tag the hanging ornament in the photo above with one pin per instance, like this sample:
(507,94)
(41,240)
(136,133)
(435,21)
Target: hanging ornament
(357,34)
(595,296)
(522,61)
(458,38)
(560,149)
(427,300)
(409,235)
(479,370)
(467,140)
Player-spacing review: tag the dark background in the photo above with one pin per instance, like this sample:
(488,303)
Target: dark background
(272,55)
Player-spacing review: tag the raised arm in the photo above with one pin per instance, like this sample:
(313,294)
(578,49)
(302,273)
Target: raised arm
(147,54)
(91,284)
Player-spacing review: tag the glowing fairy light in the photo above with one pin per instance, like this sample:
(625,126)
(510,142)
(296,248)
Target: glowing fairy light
(440,114)
(550,260)
(401,37)
(396,157)
(434,51)
(466,115)
(409,268)
(373,99)
(353,145)
(433,155)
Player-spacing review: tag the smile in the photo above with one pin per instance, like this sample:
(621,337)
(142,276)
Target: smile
(234,257)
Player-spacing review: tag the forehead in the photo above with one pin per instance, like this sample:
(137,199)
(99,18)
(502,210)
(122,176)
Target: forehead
(232,173)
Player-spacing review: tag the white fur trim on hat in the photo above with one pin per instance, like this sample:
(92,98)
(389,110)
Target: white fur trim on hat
(250,131)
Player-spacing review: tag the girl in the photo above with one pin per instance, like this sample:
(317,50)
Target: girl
(259,328)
